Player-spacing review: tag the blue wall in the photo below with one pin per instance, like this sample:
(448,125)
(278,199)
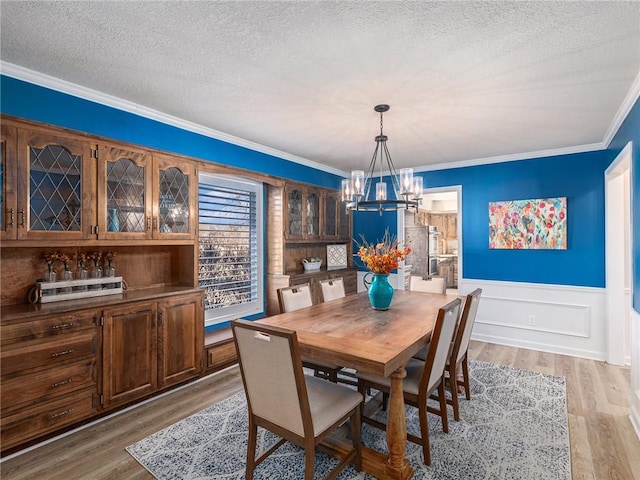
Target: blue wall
(630,131)
(29,101)
(579,177)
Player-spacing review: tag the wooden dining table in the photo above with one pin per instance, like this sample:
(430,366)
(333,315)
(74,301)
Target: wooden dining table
(350,333)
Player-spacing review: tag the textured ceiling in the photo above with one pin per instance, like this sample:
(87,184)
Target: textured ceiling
(465,80)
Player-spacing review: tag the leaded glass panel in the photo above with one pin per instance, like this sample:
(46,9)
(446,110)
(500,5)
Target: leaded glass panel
(313,214)
(174,201)
(55,189)
(126,195)
(330,210)
(294,206)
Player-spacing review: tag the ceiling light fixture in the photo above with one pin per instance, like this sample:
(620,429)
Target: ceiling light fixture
(407,190)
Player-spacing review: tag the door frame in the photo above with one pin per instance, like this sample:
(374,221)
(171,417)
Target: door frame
(618,256)
(451,188)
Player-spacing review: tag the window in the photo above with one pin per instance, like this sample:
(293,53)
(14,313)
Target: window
(230,247)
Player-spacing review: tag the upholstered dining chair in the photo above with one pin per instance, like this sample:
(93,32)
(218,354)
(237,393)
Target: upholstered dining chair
(432,284)
(458,355)
(458,352)
(297,297)
(298,408)
(423,378)
(332,289)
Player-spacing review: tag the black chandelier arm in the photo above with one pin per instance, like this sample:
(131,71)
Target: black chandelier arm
(368,176)
(393,174)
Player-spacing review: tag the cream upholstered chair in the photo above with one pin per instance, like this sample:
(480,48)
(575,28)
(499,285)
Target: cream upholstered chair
(332,289)
(432,284)
(458,354)
(295,298)
(423,378)
(281,399)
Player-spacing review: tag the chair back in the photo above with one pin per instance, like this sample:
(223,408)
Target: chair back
(439,345)
(468,318)
(429,285)
(294,298)
(332,289)
(272,374)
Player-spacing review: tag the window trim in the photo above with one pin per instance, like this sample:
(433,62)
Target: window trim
(255,307)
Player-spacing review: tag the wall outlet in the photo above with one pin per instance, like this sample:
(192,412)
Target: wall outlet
(532,320)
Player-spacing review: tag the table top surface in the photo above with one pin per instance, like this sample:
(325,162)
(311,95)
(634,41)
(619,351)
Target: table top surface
(349,333)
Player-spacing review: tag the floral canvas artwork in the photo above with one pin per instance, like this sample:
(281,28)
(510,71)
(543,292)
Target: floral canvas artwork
(528,224)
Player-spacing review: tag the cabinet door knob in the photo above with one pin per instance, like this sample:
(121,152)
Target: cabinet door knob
(149,223)
(12,215)
(22,218)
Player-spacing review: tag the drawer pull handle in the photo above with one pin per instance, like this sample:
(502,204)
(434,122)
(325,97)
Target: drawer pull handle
(64,352)
(62,413)
(65,325)
(63,382)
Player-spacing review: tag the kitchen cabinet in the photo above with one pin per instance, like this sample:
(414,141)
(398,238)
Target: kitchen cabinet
(48,181)
(336,220)
(446,223)
(48,374)
(149,345)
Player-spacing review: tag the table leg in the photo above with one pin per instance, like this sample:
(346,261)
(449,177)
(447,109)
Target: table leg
(397,466)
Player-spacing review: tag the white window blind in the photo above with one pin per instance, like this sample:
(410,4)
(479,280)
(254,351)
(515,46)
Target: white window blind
(230,247)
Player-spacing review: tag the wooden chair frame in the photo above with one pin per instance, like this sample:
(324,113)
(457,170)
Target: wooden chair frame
(308,441)
(424,392)
(458,356)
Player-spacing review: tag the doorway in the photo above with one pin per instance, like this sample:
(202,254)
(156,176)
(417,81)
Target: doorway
(441,212)
(618,257)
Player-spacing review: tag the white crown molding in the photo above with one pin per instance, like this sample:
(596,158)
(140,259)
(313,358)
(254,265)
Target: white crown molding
(590,147)
(63,86)
(623,111)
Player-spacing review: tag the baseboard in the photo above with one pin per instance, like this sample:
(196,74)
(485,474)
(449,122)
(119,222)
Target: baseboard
(635,419)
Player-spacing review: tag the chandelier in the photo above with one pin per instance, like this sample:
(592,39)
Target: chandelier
(357,191)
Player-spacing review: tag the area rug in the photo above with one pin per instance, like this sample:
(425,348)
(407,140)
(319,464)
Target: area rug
(514,427)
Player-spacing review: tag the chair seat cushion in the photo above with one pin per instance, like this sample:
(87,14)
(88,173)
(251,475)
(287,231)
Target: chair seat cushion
(329,402)
(411,382)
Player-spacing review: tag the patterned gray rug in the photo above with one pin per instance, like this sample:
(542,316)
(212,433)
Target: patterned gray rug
(514,427)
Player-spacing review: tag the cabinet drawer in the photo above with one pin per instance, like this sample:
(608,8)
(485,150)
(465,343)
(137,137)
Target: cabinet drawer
(47,384)
(47,417)
(46,327)
(47,353)
(221,354)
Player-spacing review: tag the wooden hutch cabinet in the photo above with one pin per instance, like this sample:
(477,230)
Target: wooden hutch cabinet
(311,218)
(66,362)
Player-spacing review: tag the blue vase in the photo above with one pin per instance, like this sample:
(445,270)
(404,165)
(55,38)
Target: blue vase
(114,221)
(380,290)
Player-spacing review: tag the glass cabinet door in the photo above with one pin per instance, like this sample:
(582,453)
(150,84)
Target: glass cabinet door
(125,205)
(294,214)
(312,214)
(173,198)
(330,215)
(8,173)
(56,172)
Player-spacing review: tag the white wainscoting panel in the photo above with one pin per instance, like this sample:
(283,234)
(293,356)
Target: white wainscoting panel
(552,318)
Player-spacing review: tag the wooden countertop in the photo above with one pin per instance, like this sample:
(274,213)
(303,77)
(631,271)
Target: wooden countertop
(24,311)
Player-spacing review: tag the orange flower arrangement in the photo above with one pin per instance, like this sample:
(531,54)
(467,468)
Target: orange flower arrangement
(382,257)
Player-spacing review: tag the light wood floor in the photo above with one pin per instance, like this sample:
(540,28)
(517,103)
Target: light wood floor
(603,443)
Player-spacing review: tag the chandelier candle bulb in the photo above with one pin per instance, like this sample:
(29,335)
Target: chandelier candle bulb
(381,191)
(406,181)
(357,183)
(347,195)
(418,187)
